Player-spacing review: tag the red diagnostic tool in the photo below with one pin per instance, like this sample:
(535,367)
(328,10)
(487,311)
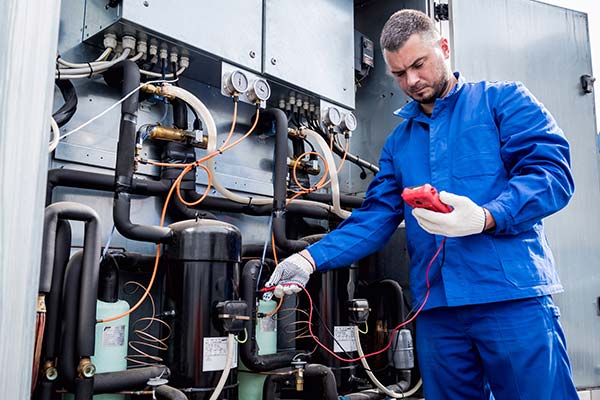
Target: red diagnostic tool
(424,196)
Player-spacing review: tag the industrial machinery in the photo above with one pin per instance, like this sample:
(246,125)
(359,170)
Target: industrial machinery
(194,145)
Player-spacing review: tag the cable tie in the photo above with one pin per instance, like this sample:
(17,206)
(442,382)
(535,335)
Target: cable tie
(249,201)
(91,69)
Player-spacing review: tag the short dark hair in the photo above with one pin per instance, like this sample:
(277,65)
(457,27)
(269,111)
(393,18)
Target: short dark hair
(402,25)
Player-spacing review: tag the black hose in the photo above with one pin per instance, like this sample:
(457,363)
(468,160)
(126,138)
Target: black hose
(280,181)
(84,388)
(179,113)
(66,112)
(127,74)
(89,180)
(345,200)
(169,393)
(131,261)
(67,360)
(86,321)
(249,349)
(339,150)
(53,299)
(111,382)
(108,281)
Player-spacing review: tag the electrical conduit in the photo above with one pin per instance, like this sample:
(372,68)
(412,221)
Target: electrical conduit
(228,364)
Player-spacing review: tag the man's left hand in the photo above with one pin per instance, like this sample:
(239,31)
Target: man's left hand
(467,218)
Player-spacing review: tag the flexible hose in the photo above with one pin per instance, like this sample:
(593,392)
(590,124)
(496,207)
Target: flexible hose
(228,364)
(55,135)
(73,73)
(374,379)
(335,185)
(98,60)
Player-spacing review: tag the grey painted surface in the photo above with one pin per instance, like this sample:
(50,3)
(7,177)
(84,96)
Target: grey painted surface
(229,29)
(26,81)
(310,45)
(547,48)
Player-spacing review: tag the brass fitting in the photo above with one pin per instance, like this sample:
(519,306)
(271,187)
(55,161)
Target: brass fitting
(157,90)
(298,366)
(49,371)
(178,135)
(305,166)
(41,303)
(296,133)
(86,368)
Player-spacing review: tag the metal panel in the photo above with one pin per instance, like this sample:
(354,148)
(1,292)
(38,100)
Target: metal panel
(230,29)
(310,45)
(548,48)
(25,106)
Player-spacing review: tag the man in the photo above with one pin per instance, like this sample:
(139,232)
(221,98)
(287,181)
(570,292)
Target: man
(502,163)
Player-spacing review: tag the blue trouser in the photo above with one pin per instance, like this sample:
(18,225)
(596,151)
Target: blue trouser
(517,347)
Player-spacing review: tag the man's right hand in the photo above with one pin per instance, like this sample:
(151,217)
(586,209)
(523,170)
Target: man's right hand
(291,272)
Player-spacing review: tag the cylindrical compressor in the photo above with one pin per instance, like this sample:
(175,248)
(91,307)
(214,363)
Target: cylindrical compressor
(202,270)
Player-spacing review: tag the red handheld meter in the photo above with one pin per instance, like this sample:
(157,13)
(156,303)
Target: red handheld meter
(424,196)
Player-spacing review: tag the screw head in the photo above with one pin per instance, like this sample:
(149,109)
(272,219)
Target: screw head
(146,3)
(252,54)
(273,61)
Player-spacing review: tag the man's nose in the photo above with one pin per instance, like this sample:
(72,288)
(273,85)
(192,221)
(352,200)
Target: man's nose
(412,78)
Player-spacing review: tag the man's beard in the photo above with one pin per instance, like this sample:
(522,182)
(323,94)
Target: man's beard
(439,88)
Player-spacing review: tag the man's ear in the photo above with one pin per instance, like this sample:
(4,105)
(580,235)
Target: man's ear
(445,46)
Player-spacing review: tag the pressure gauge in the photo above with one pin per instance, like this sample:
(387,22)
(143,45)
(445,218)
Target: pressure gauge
(332,116)
(236,83)
(348,122)
(259,91)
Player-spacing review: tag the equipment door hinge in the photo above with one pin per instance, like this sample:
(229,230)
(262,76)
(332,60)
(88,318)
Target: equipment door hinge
(440,12)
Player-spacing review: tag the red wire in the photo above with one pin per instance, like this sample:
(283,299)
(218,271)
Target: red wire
(349,360)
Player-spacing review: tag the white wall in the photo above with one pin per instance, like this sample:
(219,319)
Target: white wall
(592,8)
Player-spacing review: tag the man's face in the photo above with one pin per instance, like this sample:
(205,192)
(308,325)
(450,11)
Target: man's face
(420,68)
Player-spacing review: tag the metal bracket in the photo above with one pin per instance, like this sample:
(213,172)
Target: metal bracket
(441,12)
(587,83)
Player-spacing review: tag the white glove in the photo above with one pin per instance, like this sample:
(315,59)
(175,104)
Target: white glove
(467,218)
(291,272)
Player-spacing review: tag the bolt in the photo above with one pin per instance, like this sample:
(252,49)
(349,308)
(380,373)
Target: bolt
(146,3)
(273,61)
(252,54)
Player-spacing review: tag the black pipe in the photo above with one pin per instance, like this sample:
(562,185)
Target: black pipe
(53,299)
(127,74)
(249,349)
(339,150)
(327,389)
(84,388)
(169,393)
(108,281)
(345,200)
(111,382)
(66,112)
(280,173)
(86,321)
(130,261)
(90,180)
(180,119)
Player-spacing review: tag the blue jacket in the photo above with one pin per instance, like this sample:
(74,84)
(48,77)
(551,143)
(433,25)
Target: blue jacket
(494,143)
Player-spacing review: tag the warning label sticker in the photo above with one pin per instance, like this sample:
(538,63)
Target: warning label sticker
(215,354)
(113,336)
(344,339)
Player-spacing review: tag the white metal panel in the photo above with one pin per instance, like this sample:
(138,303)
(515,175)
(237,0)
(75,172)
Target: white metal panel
(310,44)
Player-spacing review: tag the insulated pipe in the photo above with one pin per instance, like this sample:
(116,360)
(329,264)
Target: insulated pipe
(165,392)
(86,321)
(328,383)
(111,382)
(249,349)
(53,299)
(127,74)
(89,180)
(345,200)
(339,150)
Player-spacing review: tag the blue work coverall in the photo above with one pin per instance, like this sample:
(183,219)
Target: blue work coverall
(489,316)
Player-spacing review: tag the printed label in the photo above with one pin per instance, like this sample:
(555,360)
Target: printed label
(113,336)
(215,354)
(344,339)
